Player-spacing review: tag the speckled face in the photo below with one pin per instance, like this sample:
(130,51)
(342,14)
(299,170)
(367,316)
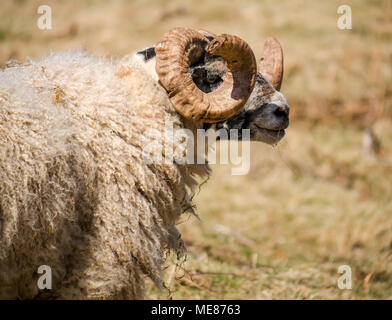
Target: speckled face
(266,113)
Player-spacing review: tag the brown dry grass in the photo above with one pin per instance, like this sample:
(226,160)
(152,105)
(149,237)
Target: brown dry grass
(307,206)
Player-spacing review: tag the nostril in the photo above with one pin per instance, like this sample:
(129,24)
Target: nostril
(281,112)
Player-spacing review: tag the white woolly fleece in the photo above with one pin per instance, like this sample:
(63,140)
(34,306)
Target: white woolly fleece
(75,193)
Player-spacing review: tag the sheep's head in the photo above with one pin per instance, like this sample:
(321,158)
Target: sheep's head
(214,79)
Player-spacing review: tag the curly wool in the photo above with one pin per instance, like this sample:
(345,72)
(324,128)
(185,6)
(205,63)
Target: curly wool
(75,193)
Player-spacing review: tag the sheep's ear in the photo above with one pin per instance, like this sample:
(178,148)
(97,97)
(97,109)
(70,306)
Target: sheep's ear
(271,62)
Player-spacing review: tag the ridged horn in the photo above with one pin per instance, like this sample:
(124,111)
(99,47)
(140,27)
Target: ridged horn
(271,62)
(180,48)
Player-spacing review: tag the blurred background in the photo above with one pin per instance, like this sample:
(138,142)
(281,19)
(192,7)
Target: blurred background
(320,199)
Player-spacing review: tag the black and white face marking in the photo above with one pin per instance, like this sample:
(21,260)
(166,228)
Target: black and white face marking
(265,114)
(208,73)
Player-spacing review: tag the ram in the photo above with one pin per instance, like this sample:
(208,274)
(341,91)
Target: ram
(76,193)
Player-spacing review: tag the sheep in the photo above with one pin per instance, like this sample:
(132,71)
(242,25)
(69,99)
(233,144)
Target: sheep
(75,192)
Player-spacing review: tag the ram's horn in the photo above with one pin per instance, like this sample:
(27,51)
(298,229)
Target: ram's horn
(206,33)
(271,62)
(182,47)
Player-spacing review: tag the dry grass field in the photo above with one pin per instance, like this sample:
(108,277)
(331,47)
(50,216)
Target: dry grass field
(309,205)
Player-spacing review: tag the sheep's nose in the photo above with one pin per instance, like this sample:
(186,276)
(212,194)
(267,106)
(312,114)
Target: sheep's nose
(282,111)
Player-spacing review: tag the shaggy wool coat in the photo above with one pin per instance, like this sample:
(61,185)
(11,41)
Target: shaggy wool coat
(75,192)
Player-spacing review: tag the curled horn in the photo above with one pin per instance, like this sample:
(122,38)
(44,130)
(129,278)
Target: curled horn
(271,62)
(180,48)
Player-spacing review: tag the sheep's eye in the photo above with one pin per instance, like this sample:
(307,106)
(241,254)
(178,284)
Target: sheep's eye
(212,79)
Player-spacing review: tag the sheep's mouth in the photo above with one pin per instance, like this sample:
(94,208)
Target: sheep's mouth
(268,136)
